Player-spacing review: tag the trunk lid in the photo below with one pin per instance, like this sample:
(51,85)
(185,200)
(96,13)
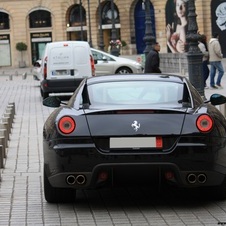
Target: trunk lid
(137,127)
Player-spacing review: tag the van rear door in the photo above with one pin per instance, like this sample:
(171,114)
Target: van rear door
(69,60)
(82,61)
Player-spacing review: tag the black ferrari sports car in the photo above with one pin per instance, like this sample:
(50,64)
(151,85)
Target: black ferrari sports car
(134,128)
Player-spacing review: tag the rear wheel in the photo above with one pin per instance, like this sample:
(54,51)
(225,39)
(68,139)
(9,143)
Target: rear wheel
(57,195)
(216,192)
(45,95)
(220,191)
(41,92)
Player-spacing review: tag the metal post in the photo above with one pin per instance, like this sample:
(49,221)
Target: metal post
(194,54)
(148,37)
(90,35)
(114,49)
(81,19)
(1,158)
(101,42)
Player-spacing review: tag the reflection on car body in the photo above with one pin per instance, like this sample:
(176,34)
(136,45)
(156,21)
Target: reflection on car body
(136,93)
(114,128)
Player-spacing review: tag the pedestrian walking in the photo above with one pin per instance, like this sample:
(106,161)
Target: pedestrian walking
(205,60)
(215,58)
(152,61)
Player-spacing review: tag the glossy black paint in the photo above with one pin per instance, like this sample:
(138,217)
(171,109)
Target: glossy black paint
(87,152)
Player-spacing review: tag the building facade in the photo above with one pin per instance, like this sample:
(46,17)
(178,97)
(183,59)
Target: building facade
(36,22)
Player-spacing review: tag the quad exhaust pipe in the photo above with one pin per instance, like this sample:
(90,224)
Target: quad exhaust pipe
(71,180)
(79,179)
(201,178)
(193,178)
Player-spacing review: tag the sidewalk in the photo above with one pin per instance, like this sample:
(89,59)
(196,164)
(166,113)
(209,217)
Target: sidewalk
(209,92)
(9,77)
(14,71)
(24,156)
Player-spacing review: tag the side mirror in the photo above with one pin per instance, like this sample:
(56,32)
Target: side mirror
(52,101)
(217,99)
(95,61)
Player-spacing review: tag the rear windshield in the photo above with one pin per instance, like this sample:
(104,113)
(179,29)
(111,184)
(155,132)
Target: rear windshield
(136,93)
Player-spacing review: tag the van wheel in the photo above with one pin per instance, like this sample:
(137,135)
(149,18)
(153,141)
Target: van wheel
(57,195)
(45,95)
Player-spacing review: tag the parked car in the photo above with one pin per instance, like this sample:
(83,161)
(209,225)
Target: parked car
(36,71)
(107,64)
(138,128)
(64,66)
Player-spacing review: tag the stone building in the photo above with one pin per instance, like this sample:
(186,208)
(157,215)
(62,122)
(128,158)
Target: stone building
(36,22)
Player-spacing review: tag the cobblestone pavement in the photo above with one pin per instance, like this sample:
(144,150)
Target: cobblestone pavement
(21,186)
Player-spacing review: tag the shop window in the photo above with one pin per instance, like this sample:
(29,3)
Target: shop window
(77,16)
(40,18)
(4,21)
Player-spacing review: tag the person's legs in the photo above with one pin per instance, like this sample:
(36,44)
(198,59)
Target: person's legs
(220,69)
(212,74)
(206,72)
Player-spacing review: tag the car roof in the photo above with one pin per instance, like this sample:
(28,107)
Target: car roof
(131,77)
(112,56)
(58,44)
(100,51)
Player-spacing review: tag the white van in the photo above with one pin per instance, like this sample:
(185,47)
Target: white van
(64,65)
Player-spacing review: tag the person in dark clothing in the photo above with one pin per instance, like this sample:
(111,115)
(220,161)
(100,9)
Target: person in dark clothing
(152,60)
(205,60)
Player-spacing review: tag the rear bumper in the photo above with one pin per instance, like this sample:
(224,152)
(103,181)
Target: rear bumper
(108,172)
(85,167)
(60,85)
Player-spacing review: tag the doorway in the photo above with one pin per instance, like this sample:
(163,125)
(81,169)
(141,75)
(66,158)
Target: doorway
(140,25)
(37,50)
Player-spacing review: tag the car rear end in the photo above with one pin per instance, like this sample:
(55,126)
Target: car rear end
(138,131)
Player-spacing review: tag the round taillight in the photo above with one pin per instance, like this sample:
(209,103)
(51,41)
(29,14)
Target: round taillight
(204,123)
(66,125)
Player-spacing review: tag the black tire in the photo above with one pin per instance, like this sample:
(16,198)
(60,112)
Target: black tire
(220,191)
(124,70)
(216,192)
(45,95)
(58,195)
(41,92)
